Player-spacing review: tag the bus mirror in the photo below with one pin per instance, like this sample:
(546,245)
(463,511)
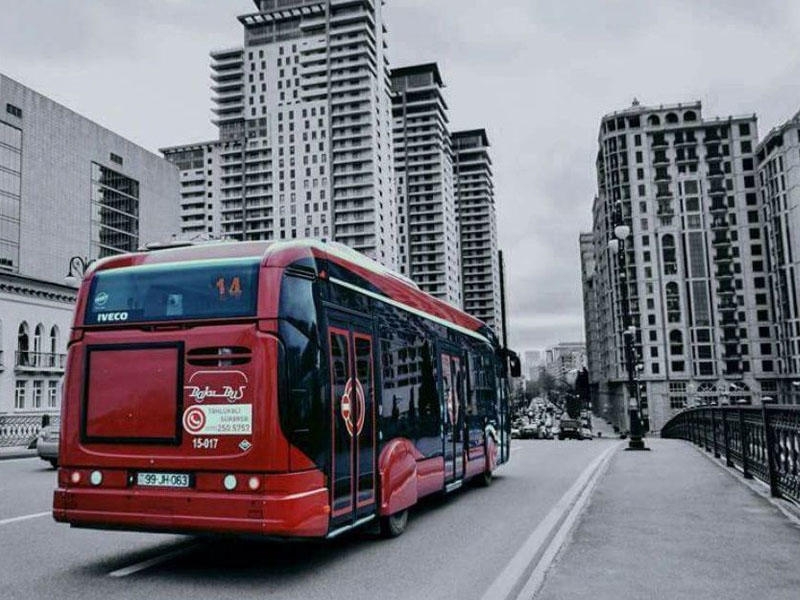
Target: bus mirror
(514,366)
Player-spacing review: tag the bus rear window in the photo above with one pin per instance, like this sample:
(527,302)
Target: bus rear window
(174,291)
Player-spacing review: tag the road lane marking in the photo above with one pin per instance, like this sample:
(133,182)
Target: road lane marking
(522,564)
(24,518)
(151,562)
(536,579)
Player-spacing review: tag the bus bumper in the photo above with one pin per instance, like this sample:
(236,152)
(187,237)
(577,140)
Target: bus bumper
(298,514)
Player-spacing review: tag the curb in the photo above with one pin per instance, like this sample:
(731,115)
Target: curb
(525,571)
(21,453)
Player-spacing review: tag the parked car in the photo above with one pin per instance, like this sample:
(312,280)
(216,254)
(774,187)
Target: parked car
(569,428)
(586,433)
(47,444)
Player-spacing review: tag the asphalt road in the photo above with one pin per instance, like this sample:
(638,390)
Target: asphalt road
(454,547)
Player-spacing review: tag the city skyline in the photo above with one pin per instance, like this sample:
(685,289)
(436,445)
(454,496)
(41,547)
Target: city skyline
(588,63)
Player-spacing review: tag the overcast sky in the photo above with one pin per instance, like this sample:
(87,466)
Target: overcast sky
(537,74)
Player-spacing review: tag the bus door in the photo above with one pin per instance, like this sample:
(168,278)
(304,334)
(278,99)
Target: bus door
(454,396)
(352,381)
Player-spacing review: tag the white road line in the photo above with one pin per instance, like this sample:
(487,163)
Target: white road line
(521,565)
(536,579)
(24,518)
(150,562)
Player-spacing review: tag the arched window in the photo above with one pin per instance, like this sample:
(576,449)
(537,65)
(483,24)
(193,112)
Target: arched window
(669,254)
(671,118)
(689,116)
(23,356)
(675,343)
(37,344)
(653,120)
(673,302)
(53,345)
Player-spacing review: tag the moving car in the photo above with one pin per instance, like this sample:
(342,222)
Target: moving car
(47,444)
(569,428)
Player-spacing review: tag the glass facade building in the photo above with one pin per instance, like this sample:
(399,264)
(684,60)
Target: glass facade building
(10,195)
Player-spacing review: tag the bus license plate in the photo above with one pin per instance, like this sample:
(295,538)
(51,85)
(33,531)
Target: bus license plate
(174,480)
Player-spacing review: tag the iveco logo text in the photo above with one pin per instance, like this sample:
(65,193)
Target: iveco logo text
(112,316)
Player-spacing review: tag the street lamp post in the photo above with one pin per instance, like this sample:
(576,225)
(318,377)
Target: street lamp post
(78,265)
(621,233)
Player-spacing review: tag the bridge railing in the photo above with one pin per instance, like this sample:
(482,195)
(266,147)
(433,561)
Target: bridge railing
(764,442)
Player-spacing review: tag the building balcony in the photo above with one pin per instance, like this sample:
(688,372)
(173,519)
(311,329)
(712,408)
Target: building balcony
(39,361)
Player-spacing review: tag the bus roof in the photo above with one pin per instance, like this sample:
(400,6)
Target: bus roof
(390,284)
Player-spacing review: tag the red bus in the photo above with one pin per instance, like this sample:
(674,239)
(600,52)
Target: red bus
(290,389)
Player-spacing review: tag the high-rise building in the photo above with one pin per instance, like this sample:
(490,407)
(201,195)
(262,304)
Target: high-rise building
(304,119)
(564,357)
(480,267)
(428,225)
(68,188)
(778,157)
(695,265)
(533,360)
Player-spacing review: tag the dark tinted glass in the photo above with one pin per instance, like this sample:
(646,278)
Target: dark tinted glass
(178,291)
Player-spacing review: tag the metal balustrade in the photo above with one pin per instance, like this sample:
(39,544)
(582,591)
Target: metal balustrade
(763,442)
(39,360)
(20,430)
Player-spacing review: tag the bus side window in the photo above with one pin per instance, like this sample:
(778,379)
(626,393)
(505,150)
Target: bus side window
(301,407)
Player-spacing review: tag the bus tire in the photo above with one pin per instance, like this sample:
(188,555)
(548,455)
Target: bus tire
(485,479)
(395,524)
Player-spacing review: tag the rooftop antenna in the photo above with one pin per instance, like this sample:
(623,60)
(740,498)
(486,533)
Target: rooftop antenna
(635,101)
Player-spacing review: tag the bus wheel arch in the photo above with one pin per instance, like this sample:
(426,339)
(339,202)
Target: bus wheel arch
(397,468)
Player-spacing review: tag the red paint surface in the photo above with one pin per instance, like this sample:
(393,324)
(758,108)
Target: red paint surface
(132,393)
(288,505)
(397,468)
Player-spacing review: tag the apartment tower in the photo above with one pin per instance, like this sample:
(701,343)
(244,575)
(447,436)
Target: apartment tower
(474,190)
(423,163)
(778,162)
(695,265)
(304,119)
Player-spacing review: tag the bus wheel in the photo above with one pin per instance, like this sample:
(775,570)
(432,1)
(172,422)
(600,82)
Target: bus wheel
(485,480)
(395,524)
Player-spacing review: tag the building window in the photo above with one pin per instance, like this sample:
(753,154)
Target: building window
(10,195)
(37,394)
(669,255)
(115,212)
(19,395)
(673,302)
(14,110)
(52,394)
(116,158)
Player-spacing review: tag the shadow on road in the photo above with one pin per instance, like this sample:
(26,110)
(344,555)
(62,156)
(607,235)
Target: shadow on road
(207,559)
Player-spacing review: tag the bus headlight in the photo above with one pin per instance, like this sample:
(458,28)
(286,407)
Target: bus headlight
(75,477)
(253,483)
(96,478)
(229,482)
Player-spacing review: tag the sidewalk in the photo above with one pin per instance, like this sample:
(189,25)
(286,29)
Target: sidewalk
(16,452)
(671,524)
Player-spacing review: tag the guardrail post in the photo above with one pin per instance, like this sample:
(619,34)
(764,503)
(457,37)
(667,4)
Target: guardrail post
(769,441)
(726,438)
(706,439)
(743,439)
(714,433)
